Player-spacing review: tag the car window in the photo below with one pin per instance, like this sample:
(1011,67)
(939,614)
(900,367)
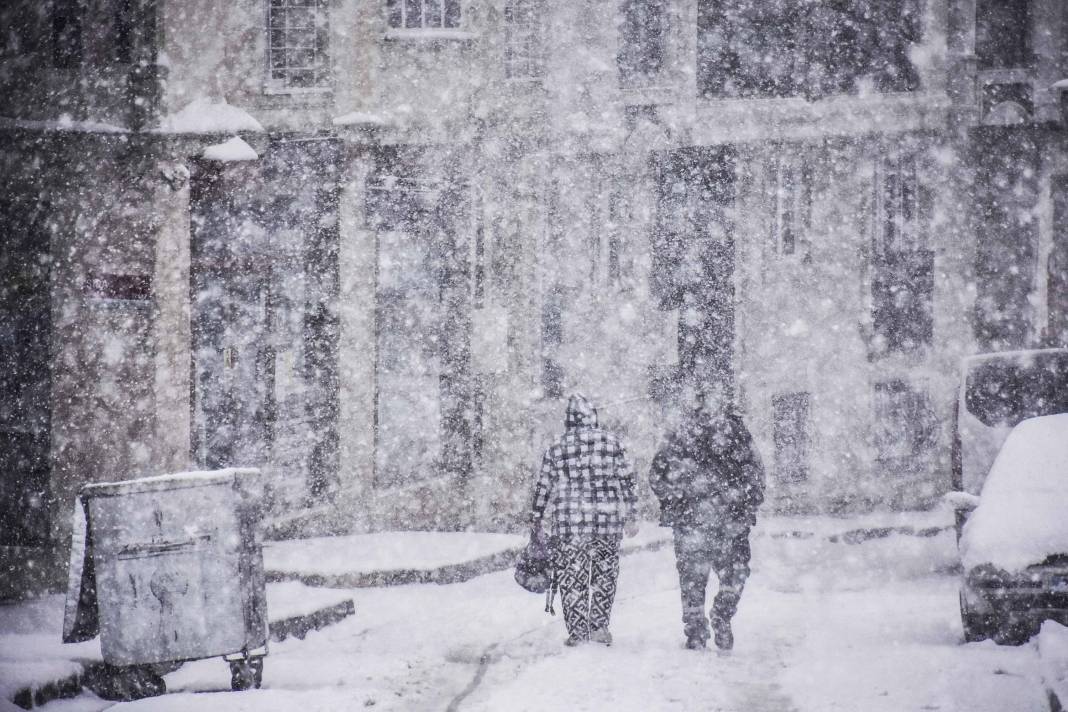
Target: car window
(1006,391)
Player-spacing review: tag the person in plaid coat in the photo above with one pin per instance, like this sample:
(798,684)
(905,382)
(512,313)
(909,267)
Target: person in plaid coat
(586,488)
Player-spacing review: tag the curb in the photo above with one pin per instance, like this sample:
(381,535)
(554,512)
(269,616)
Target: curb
(94,670)
(452,573)
(299,626)
(458,573)
(70,686)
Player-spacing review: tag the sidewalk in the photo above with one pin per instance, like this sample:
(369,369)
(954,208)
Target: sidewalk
(305,576)
(37,667)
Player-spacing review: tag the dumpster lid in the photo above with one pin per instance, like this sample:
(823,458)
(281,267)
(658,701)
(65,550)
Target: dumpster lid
(175,480)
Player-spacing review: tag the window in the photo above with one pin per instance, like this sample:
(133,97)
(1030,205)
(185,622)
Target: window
(424,14)
(905,425)
(790,413)
(790,186)
(902,205)
(552,336)
(68,19)
(522,50)
(1002,33)
(642,38)
(22,29)
(903,267)
(781,48)
(479,285)
(617,220)
(298,33)
(1005,195)
(124,31)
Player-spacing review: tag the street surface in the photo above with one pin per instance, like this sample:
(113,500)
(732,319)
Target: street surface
(822,627)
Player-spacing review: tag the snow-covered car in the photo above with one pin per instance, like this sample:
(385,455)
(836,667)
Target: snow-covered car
(997,391)
(1014,545)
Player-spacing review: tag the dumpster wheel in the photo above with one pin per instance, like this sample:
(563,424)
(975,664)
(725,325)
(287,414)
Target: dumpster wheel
(246,674)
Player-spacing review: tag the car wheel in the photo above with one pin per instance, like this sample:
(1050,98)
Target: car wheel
(242,676)
(1014,632)
(976,626)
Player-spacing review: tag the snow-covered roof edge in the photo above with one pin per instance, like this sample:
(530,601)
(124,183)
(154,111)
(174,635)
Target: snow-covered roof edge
(206,116)
(63,123)
(363,118)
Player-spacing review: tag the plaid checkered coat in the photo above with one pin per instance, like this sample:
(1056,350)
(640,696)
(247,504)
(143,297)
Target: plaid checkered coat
(585,478)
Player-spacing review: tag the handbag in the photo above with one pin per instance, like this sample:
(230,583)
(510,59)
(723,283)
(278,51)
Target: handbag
(534,570)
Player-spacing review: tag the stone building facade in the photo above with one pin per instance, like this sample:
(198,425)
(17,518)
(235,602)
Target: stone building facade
(442,215)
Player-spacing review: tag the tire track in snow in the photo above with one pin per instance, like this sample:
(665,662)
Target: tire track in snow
(486,659)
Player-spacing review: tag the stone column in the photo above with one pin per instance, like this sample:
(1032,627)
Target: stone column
(171,327)
(356,347)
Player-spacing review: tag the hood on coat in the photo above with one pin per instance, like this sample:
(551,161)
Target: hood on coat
(580,413)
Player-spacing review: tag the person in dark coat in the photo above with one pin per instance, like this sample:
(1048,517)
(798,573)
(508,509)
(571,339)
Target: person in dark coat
(586,488)
(710,483)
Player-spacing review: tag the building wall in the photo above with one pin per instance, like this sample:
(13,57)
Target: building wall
(554,164)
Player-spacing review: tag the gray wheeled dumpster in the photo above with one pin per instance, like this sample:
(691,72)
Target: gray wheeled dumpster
(171,569)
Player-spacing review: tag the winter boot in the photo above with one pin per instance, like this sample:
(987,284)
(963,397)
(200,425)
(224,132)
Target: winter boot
(722,634)
(696,642)
(601,635)
(573,640)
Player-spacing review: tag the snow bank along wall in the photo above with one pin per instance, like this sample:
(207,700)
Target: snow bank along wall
(442,221)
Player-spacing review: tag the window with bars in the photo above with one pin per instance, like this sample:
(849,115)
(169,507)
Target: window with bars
(424,14)
(902,206)
(902,284)
(522,49)
(790,188)
(298,35)
(790,423)
(905,427)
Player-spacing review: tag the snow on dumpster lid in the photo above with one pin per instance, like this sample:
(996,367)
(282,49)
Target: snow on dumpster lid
(1020,520)
(174,480)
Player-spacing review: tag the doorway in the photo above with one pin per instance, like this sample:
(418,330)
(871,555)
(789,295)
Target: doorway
(25,373)
(264,286)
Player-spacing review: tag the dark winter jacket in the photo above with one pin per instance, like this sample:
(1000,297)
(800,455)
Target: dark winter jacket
(586,478)
(708,472)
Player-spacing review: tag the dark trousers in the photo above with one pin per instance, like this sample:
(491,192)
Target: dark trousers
(700,550)
(587,569)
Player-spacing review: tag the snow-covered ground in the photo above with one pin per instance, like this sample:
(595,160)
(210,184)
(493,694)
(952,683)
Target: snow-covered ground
(823,626)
